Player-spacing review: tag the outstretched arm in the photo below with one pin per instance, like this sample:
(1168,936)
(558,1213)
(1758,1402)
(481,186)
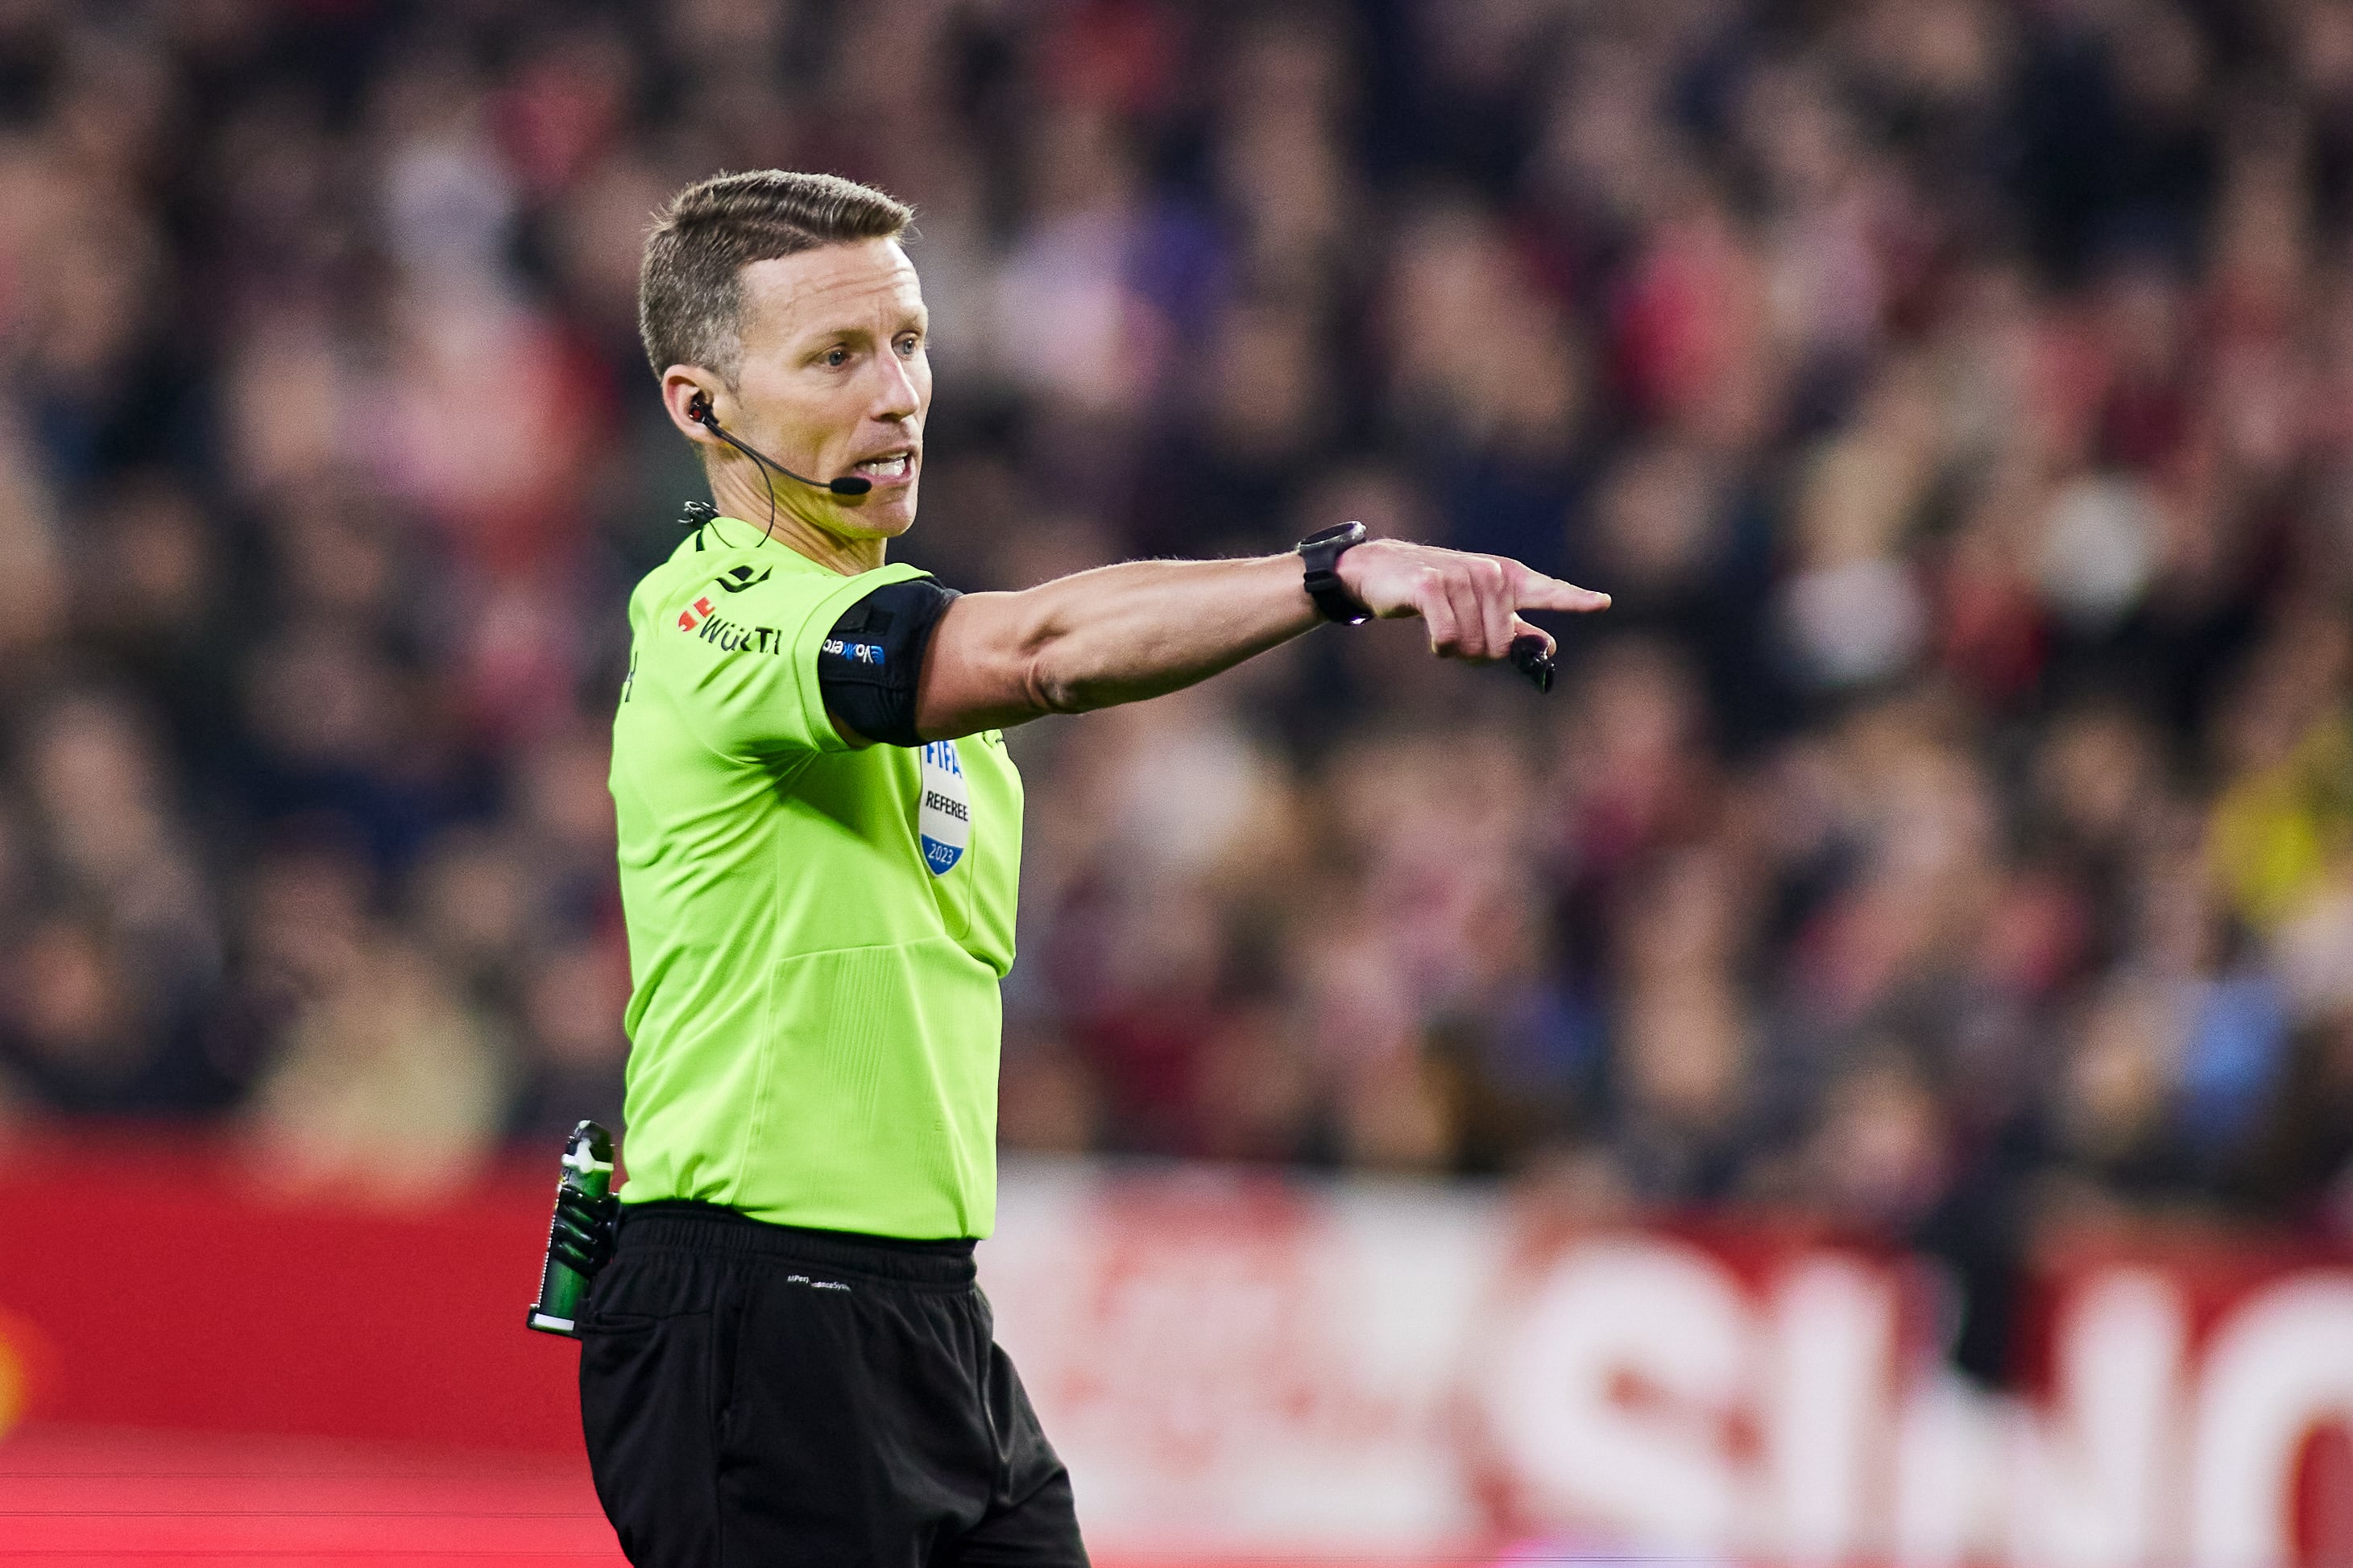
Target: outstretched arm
(1120,634)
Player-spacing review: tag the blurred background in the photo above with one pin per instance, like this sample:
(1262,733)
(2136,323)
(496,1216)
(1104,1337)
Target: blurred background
(1947,840)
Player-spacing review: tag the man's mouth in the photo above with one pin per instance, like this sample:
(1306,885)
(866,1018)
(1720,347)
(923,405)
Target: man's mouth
(888,466)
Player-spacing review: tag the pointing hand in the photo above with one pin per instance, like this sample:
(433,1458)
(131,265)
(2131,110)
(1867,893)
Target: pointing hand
(1470,602)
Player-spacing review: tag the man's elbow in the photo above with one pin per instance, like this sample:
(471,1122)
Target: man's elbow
(1042,669)
(1048,689)
(992,695)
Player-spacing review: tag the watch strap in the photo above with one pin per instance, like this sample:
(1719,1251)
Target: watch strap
(1319,555)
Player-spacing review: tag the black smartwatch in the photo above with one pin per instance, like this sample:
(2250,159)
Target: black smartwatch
(1320,552)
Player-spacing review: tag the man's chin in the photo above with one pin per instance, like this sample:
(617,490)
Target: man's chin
(881,516)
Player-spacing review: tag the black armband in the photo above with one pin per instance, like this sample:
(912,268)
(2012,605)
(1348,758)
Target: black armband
(868,664)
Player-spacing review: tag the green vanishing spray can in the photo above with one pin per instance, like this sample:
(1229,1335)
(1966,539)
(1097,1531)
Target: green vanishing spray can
(588,1172)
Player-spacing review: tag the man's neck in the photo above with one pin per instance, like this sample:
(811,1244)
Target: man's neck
(834,552)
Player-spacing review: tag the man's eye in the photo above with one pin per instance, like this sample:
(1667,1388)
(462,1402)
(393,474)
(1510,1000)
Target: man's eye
(908,345)
(837,357)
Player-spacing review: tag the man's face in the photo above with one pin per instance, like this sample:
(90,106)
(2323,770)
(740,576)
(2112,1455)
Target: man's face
(835,380)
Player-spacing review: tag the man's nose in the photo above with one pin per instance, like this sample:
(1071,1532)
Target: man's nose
(896,397)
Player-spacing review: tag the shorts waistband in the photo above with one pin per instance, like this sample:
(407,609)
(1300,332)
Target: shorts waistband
(709,1227)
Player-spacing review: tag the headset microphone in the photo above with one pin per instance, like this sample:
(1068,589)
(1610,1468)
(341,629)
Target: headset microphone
(699,410)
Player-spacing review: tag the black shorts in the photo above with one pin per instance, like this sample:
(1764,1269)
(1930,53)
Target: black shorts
(754,1394)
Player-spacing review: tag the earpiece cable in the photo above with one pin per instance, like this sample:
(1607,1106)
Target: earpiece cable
(700,410)
(767,482)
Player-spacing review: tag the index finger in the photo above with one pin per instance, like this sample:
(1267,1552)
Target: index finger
(1539,591)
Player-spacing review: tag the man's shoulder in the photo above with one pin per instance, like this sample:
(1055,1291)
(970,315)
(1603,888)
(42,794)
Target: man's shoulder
(732,633)
(708,577)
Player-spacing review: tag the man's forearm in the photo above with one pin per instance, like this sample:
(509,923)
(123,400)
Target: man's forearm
(1117,634)
(1122,633)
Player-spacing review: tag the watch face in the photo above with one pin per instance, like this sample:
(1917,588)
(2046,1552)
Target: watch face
(1326,535)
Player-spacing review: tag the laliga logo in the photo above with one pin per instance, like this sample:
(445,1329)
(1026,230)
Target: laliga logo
(944,814)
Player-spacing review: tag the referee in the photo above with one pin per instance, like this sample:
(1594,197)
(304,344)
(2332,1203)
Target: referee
(784,1357)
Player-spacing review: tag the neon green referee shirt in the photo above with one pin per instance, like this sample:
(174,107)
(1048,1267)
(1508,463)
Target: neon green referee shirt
(815,934)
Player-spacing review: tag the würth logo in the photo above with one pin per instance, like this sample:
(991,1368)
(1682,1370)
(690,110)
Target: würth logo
(725,635)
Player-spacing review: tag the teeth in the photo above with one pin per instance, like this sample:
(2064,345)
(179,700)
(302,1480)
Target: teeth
(886,468)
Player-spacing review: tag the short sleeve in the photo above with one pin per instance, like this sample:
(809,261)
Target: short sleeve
(739,653)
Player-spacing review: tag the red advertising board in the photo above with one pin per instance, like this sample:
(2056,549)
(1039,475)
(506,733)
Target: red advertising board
(1230,1364)
(155,1283)
(1244,1364)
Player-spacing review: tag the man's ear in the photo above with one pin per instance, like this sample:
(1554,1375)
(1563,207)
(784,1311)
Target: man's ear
(692,395)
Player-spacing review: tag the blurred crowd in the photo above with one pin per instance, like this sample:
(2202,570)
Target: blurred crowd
(1950,827)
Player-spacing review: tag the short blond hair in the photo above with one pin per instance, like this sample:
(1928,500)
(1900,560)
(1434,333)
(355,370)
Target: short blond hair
(691,284)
